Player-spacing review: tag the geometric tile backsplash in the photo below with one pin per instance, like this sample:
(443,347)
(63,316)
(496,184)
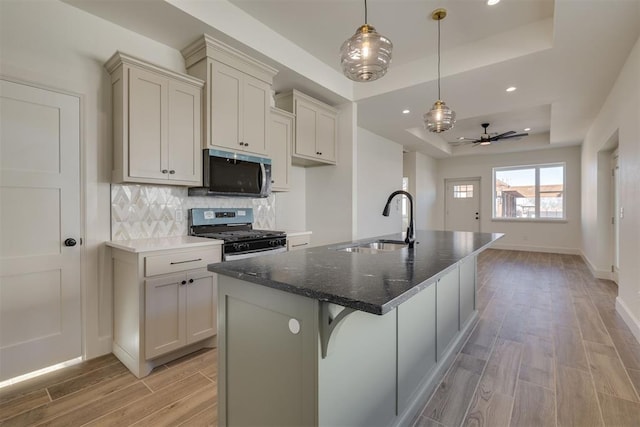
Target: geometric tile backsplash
(145,211)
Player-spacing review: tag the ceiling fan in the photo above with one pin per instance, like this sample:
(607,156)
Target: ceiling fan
(488,138)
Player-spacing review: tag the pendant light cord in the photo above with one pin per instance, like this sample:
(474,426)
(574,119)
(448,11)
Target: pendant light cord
(438,58)
(365,12)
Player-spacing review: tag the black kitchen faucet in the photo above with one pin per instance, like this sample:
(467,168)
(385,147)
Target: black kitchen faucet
(410,237)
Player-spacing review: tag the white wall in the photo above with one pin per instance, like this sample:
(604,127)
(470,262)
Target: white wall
(49,43)
(561,237)
(379,173)
(291,205)
(330,190)
(422,172)
(620,113)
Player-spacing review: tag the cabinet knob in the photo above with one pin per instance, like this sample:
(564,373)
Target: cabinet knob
(165,171)
(70,242)
(184,282)
(190,280)
(172,171)
(246,144)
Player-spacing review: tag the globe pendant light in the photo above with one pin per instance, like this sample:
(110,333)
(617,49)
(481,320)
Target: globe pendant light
(440,118)
(366,56)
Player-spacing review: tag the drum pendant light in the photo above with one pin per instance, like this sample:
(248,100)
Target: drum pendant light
(440,118)
(366,56)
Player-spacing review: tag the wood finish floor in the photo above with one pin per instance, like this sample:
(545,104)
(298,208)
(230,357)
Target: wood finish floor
(549,350)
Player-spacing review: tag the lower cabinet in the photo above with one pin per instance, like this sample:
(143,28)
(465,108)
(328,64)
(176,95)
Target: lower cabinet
(298,241)
(447,314)
(467,289)
(180,309)
(165,304)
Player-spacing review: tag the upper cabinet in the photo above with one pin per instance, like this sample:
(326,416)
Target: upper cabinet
(237,95)
(316,128)
(156,123)
(279,149)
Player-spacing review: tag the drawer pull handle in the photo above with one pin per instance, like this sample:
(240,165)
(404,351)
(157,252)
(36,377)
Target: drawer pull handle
(300,244)
(183,262)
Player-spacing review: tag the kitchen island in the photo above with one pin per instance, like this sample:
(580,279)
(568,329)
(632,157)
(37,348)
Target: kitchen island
(351,334)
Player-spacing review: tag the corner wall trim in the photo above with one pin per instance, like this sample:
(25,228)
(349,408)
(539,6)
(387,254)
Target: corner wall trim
(629,318)
(598,274)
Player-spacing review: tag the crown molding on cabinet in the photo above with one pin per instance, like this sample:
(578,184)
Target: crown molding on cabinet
(120,58)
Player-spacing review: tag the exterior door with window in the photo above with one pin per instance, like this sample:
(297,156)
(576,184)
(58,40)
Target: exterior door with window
(40,316)
(462,205)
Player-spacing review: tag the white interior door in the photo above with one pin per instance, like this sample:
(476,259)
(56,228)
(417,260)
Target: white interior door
(40,317)
(462,205)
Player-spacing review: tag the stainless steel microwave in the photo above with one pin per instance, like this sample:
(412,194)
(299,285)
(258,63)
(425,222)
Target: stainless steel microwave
(232,174)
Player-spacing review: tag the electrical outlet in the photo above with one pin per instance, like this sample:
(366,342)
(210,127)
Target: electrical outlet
(621,212)
(179,215)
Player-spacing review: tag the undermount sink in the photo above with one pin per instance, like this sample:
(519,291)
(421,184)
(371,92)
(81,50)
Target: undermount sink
(376,246)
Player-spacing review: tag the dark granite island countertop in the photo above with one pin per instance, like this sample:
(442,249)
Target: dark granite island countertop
(371,282)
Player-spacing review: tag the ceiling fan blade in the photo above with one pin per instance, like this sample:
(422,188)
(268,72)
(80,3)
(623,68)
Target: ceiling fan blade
(514,136)
(502,135)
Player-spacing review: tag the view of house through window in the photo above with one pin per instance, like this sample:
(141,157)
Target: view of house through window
(535,191)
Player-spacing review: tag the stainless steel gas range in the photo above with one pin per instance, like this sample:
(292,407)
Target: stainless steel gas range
(235,227)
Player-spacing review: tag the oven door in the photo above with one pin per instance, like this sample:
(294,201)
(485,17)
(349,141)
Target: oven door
(244,255)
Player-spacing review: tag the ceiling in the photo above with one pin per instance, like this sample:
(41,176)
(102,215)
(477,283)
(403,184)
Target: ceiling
(563,56)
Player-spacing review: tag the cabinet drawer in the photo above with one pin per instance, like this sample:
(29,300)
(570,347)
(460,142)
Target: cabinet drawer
(181,261)
(298,242)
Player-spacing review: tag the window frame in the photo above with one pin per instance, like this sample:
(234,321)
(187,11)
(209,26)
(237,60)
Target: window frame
(536,168)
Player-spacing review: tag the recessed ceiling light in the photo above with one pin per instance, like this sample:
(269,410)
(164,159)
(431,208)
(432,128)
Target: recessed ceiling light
(406,111)
(492,2)
(511,89)
(461,138)
(527,129)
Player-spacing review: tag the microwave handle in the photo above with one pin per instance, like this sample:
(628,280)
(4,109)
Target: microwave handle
(263,176)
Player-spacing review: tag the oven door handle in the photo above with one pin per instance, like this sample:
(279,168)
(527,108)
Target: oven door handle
(232,257)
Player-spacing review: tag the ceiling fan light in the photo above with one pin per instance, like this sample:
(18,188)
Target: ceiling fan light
(485,143)
(366,56)
(440,118)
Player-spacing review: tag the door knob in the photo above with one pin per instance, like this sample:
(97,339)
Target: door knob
(70,242)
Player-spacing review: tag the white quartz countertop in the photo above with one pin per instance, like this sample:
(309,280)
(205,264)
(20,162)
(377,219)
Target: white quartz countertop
(162,243)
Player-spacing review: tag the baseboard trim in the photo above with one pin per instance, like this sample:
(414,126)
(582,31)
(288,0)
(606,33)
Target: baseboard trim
(527,248)
(629,318)
(598,274)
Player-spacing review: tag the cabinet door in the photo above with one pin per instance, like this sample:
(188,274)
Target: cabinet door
(148,140)
(416,343)
(164,314)
(306,116)
(201,305)
(447,305)
(185,160)
(255,112)
(226,87)
(327,135)
(279,150)
(467,289)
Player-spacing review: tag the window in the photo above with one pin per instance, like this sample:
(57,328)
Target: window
(463,191)
(529,192)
